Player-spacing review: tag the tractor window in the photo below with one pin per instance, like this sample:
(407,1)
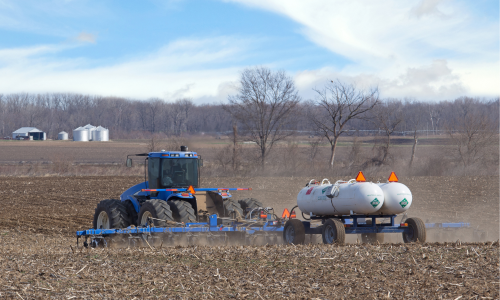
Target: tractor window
(179,172)
(153,172)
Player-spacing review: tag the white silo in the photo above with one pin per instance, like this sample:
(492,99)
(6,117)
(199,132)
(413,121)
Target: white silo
(90,129)
(63,135)
(100,134)
(81,135)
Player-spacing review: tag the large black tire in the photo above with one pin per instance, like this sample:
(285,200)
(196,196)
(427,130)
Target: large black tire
(371,238)
(294,232)
(232,209)
(131,212)
(110,213)
(159,210)
(250,203)
(417,231)
(333,232)
(182,211)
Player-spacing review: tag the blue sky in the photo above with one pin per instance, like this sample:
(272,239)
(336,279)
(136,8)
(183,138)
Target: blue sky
(423,49)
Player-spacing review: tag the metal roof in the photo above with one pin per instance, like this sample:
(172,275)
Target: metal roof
(27,129)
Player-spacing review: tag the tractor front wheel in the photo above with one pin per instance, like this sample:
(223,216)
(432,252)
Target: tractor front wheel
(110,213)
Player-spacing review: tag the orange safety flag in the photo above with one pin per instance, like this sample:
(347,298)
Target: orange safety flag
(286,214)
(393,177)
(360,177)
(292,215)
(191,190)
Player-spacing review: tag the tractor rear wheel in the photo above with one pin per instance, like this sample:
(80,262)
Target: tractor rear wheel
(250,203)
(110,213)
(294,232)
(232,209)
(333,232)
(156,210)
(182,211)
(417,231)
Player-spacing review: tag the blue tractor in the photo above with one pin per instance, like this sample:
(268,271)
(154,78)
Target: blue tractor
(170,195)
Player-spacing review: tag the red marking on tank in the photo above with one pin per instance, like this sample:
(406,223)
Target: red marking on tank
(309,190)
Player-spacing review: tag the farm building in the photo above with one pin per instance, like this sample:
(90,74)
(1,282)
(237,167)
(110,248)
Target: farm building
(31,133)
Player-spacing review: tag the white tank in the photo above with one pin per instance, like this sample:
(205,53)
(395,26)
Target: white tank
(100,134)
(80,135)
(397,198)
(63,135)
(341,198)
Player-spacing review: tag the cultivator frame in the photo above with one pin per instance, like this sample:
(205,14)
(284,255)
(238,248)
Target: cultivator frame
(215,230)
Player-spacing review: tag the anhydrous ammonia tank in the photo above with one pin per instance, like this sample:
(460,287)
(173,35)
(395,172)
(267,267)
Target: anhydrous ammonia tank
(397,197)
(341,198)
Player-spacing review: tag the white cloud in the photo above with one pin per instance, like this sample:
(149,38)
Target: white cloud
(427,7)
(427,47)
(184,68)
(86,37)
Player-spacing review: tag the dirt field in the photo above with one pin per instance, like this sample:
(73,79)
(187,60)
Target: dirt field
(35,266)
(40,215)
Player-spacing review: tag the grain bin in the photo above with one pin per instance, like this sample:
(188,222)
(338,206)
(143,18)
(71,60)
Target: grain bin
(63,135)
(100,134)
(81,135)
(90,129)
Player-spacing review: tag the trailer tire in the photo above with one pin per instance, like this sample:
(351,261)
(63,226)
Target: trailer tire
(417,234)
(333,232)
(294,232)
(110,213)
(250,203)
(156,209)
(131,212)
(182,211)
(232,208)
(371,238)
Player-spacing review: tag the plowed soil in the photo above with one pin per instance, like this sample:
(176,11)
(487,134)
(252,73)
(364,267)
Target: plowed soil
(38,257)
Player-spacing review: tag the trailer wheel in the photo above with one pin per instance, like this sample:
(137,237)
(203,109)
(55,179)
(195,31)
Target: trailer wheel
(370,238)
(232,208)
(131,212)
(110,213)
(333,232)
(294,232)
(417,231)
(158,210)
(250,203)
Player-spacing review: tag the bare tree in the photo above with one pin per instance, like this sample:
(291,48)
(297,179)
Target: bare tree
(471,130)
(413,116)
(235,159)
(264,107)
(336,105)
(387,116)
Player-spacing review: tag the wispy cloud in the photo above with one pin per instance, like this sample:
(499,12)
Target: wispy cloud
(86,37)
(427,7)
(200,69)
(401,41)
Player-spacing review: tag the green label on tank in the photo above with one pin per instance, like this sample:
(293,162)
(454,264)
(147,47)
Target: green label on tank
(403,203)
(324,190)
(375,202)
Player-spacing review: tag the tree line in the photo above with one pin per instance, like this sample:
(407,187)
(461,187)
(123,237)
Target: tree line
(266,109)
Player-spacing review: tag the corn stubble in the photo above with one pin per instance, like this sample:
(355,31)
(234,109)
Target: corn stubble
(38,266)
